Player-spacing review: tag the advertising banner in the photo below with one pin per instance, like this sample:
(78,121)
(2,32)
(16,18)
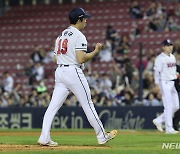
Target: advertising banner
(74,117)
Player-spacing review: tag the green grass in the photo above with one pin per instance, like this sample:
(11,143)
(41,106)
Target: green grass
(126,142)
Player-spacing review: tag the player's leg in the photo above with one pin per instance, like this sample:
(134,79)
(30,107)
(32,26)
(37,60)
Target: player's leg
(168,105)
(82,92)
(60,93)
(176,110)
(158,121)
(175,99)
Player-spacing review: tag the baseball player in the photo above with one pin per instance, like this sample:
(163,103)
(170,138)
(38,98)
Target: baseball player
(165,76)
(70,51)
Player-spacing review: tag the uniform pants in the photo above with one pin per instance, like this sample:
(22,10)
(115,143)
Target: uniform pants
(170,102)
(67,79)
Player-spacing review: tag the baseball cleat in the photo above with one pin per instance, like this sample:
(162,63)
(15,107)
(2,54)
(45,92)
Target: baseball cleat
(50,144)
(172,132)
(109,136)
(158,126)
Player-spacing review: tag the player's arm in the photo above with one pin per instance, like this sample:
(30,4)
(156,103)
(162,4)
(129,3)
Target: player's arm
(157,70)
(83,57)
(55,50)
(156,77)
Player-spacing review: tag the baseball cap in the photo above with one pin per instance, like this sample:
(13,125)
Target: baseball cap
(167,42)
(77,13)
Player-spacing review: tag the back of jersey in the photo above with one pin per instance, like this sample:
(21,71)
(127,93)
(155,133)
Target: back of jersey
(67,44)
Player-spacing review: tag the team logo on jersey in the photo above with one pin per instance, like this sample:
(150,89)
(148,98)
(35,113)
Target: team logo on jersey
(171,64)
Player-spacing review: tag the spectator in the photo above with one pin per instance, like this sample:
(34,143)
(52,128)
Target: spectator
(93,80)
(171,25)
(127,99)
(38,54)
(157,23)
(7,82)
(150,100)
(42,100)
(110,102)
(159,8)
(33,98)
(4,99)
(47,98)
(49,56)
(106,53)
(135,31)
(177,10)
(111,35)
(134,84)
(15,95)
(151,10)
(30,72)
(73,101)
(176,48)
(125,96)
(41,88)
(148,80)
(124,45)
(116,74)
(39,72)
(102,100)
(129,69)
(135,10)
(105,84)
(150,64)
(35,72)
(22,102)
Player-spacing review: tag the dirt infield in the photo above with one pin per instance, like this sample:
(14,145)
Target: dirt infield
(6,147)
(20,147)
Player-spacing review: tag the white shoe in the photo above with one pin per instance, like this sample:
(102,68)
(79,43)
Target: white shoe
(109,136)
(50,143)
(172,132)
(158,126)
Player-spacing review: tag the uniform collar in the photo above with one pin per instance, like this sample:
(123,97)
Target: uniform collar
(166,54)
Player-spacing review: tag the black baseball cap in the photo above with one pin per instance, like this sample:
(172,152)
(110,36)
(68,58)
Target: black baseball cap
(167,42)
(77,13)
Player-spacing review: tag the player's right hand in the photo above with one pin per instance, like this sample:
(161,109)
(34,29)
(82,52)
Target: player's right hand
(98,47)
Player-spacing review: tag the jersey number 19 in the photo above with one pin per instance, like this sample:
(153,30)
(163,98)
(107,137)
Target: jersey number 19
(62,49)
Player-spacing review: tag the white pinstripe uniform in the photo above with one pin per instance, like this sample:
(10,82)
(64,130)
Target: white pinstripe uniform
(165,73)
(70,77)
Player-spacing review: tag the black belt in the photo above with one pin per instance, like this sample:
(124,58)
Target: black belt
(173,80)
(60,65)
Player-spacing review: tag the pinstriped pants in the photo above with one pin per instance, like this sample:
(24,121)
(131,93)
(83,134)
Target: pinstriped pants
(72,79)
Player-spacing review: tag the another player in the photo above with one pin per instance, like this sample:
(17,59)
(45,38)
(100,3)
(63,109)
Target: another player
(70,51)
(176,118)
(165,76)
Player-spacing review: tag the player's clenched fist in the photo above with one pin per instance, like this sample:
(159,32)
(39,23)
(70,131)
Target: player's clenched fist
(98,47)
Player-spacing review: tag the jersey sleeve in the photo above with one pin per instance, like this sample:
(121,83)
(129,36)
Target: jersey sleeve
(158,64)
(157,70)
(81,43)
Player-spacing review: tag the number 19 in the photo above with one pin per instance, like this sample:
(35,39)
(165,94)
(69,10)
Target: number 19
(62,49)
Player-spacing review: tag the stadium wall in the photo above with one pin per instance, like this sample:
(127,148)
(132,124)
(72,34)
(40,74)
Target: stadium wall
(74,118)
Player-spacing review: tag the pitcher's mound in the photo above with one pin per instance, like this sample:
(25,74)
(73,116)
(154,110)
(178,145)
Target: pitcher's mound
(12,147)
